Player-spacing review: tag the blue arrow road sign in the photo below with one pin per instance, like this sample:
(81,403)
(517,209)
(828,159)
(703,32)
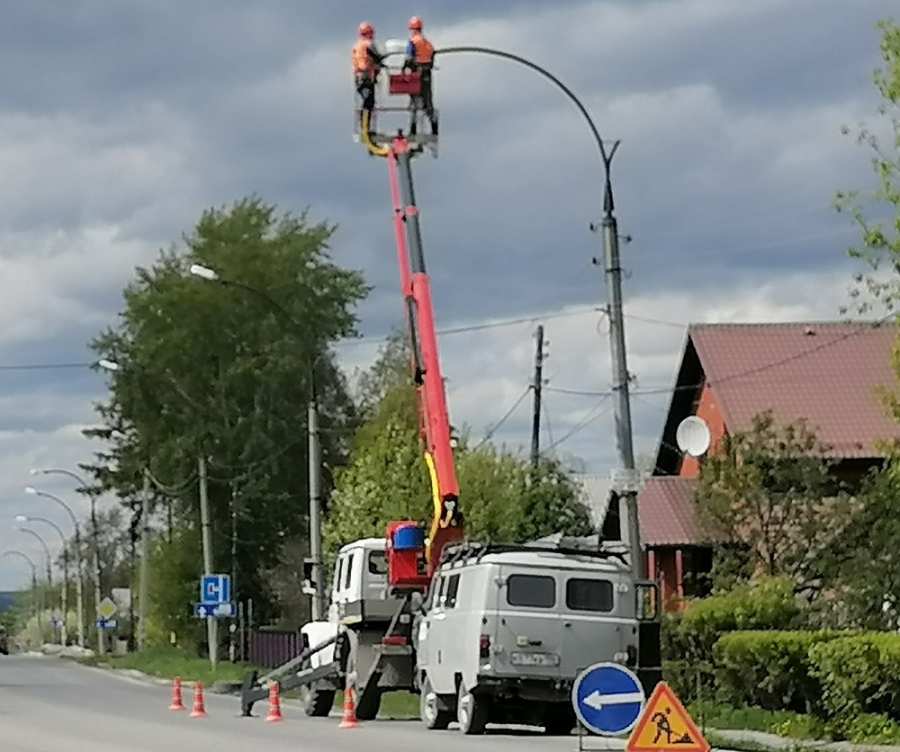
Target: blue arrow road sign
(207,610)
(608,699)
(215,588)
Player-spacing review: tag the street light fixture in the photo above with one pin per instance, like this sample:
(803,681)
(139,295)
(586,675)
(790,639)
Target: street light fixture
(79,586)
(108,365)
(204,272)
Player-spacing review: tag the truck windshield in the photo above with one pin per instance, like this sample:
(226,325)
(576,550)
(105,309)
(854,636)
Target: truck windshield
(531,591)
(589,595)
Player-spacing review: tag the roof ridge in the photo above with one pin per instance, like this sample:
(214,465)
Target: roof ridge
(874,323)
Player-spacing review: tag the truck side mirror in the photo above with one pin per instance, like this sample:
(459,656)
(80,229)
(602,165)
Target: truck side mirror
(417,602)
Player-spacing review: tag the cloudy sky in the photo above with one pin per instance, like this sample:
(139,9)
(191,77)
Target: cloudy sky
(121,122)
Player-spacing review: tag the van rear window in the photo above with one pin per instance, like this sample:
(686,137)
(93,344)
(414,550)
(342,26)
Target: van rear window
(589,595)
(531,591)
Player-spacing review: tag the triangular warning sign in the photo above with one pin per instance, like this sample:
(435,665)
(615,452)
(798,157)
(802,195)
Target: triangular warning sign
(666,725)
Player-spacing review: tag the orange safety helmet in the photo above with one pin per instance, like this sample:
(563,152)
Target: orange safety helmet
(415,24)
(366,29)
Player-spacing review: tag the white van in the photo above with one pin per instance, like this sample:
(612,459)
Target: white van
(507,629)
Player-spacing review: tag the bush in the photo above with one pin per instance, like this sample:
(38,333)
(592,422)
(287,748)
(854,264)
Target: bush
(769,669)
(859,674)
(688,638)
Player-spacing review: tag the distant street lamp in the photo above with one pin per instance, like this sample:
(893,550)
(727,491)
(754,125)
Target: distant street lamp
(64,629)
(34,588)
(79,585)
(47,553)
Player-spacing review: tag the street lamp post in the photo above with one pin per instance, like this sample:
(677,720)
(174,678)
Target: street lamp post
(64,629)
(624,484)
(143,577)
(314,448)
(37,607)
(47,553)
(79,584)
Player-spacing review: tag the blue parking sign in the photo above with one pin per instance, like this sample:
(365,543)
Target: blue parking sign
(215,589)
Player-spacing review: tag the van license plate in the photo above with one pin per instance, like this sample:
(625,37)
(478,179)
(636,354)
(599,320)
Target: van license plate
(534,659)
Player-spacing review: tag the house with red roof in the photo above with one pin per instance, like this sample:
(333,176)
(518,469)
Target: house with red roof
(827,373)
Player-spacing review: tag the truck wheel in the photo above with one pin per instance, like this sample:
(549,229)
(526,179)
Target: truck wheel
(317,702)
(430,710)
(471,712)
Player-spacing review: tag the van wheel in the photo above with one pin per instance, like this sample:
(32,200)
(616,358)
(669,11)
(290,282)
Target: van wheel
(430,711)
(317,702)
(471,712)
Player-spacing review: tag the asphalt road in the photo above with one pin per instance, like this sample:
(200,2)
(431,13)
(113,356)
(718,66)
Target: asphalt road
(54,705)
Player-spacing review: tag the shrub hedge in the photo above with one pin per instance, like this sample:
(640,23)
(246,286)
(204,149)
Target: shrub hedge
(848,680)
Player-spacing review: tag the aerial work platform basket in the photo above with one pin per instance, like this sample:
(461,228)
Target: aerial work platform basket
(387,121)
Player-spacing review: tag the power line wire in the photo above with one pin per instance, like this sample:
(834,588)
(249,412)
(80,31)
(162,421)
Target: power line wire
(496,427)
(603,406)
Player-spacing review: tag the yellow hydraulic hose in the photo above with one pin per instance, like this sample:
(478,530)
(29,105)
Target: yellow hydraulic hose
(435,497)
(378,151)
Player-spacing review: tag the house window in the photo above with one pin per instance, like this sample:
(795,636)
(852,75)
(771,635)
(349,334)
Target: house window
(696,567)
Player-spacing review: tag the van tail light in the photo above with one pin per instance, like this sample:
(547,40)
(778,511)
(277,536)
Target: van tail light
(485,646)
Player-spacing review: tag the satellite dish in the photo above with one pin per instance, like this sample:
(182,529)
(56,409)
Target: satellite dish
(692,436)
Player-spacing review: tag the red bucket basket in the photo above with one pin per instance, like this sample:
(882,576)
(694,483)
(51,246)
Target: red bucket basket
(405,83)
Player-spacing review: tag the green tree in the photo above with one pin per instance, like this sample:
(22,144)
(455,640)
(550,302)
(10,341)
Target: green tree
(386,478)
(227,372)
(879,244)
(864,562)
(770,490)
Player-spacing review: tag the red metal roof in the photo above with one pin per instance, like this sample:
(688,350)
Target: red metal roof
(827,373)
(667,513)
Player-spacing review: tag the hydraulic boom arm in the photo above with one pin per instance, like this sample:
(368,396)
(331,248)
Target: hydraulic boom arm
(434,421)
(446,524)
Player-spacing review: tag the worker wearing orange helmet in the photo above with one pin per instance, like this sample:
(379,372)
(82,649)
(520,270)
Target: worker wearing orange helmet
(367,64)
(420,58)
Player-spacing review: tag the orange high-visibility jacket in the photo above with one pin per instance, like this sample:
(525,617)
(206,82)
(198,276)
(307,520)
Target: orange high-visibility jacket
(363,65)
(424,54)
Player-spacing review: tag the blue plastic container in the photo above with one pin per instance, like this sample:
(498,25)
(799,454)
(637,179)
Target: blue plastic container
(409,538)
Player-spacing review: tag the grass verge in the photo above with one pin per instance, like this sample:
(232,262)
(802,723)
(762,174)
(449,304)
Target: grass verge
(167,663)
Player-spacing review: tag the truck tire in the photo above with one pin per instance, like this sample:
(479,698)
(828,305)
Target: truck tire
(317,702)
(471,712)
(430,711)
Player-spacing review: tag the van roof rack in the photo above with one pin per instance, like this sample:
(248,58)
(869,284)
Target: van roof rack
(469,551)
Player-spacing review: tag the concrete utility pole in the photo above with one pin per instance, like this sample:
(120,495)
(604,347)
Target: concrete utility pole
(212,631)
(536,386)
(315,524)
(144,587)
(624,484)
(98,592)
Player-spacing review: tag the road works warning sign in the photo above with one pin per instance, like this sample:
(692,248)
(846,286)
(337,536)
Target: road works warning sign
(665,726)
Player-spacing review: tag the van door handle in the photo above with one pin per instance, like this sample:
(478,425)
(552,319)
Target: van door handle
(567,624)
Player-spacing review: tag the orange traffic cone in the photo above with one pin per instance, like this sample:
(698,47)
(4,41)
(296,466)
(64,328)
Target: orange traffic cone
(177,702)
(274,704)
(199,710)
(349,719)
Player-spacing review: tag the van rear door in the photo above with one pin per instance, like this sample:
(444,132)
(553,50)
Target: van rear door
(528,624)
(597,621)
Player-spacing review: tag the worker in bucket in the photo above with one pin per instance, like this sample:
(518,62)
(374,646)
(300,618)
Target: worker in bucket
(367,64)
(420,59)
